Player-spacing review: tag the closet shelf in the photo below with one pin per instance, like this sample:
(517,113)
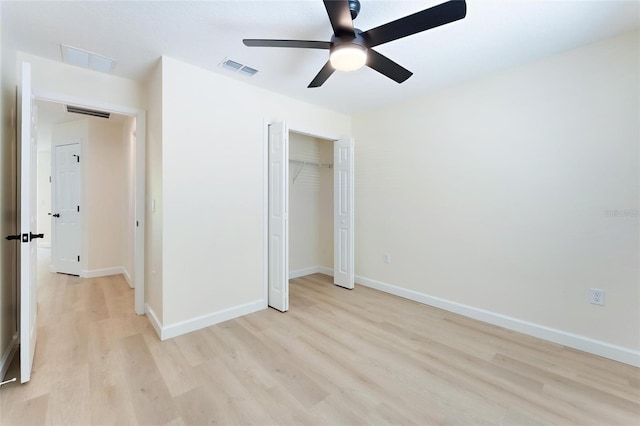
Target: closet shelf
(307,163)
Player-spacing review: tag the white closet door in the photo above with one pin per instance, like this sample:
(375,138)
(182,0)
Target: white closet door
(66,209)
(278,216)
(343,270)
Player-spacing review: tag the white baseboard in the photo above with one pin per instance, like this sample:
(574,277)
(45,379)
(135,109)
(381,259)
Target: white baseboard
(127,277)
(105,272)
(311,270)
(184,327)
(7,356)
(153,319)
(583,343)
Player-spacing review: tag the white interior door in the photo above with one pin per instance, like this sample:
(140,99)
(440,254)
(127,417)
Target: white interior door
(343,219)
(278,216)
(66,209)
(28,222)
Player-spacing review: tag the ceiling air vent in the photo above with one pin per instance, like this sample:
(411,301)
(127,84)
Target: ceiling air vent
(248,71)
(231,65)
(234,66)
(91,112)
(82,58)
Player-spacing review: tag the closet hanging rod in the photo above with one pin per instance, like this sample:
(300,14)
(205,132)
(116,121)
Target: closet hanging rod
(311,163)
(306,163)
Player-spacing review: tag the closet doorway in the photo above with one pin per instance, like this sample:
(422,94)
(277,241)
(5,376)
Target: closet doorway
(316,174)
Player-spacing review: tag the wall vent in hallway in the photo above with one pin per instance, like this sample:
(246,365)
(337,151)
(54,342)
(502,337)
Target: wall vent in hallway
(91,112)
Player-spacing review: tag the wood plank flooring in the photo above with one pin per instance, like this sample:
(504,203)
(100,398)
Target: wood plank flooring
(337,357)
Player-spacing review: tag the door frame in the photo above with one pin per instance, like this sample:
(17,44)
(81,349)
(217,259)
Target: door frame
(140,176)
(265,200)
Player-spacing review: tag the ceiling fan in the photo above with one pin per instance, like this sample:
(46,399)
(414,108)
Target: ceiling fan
(351,48)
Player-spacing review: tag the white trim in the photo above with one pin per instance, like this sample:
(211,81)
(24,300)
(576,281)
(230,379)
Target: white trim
(46,95)
(311,270)
(7,356)
(140,211)
(153,319)
(105,272)
(265,212)
(583,343)
(197,323)
(312,133)
(127,277)
(44,244)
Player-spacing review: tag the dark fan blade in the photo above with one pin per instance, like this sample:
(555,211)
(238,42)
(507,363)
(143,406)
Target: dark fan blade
(304,44)
(340,17)
(429,18)
(387,67)
(322,76)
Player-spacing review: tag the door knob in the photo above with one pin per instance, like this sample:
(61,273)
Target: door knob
(33,236)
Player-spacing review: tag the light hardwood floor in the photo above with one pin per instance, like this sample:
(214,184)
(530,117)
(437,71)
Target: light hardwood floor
(337,357)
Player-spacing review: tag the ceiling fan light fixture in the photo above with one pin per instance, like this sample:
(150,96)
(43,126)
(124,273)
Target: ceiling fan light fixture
(348,57)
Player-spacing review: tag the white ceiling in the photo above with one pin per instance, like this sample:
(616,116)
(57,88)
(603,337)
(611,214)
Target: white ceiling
(496,34)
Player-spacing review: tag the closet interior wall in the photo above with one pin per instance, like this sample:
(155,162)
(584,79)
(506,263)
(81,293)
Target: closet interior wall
(310,205)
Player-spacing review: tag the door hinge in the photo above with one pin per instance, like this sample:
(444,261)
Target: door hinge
(78,258)
(78,208)
(137,223)
(77,157)
(49,179)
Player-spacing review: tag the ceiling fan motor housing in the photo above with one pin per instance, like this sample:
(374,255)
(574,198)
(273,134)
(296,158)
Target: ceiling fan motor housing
(356,39)
(354,8)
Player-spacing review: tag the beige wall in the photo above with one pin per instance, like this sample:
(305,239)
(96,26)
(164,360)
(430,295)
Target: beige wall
(213,134)
(105,194)
(326,205)
(501,194)
(310,204)
(60,78)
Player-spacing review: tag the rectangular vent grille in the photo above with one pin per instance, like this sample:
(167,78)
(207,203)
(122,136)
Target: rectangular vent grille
(234,66)
(91,112)
(248,71)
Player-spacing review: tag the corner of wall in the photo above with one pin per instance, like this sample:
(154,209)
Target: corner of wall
(153,208)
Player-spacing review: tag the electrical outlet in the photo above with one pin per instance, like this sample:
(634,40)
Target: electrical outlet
(596,296)
(386,258)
